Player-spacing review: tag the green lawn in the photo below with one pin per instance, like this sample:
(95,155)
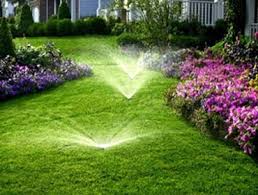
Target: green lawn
(43,137)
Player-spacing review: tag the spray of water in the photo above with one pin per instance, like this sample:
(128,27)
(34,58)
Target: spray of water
(123,136)
(126,74)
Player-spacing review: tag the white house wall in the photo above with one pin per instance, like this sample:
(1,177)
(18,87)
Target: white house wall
(250,15)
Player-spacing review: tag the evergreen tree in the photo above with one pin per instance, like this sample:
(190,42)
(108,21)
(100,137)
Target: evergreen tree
(64,11)
(25,19)
(6,41)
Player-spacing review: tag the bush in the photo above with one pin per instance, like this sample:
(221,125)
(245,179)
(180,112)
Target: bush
(6,41)
(37,29)
(13,30)
(130,39)
(111,22)
(80,27)
(64,11)
(25,20)
(118,29)
(241,51)
(53,17)
(183,41)
(217,49)
(65,27)
(52,27)
(32,56)
(185,27)
(96,25)
(221,27)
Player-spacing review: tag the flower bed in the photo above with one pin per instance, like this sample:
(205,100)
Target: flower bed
(221,90)
(36,69)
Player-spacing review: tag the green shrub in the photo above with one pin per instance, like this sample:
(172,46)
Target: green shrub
(212,124)
(80,27)
(11,20)
(52,27)
(6,41)
(217,49)
(25,20)
(221,27)
(186,27)
(184,41)
(111,22)
(37,29)
(64,11)
(130,39)
(65,27)
(13,30)
(118,29)
(34,56)
(53,17)
(96,25)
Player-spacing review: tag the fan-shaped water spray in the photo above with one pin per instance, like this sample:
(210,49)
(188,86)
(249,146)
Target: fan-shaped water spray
(126,73)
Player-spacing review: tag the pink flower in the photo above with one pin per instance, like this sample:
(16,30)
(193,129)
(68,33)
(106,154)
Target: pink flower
(256,35)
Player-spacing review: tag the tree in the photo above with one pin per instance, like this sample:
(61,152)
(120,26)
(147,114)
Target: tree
(235,15)
(25,19)
(6,41)
(157,17)
(64,11)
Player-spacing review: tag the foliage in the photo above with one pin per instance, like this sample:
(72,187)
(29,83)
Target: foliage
(157,16)
(65,27)
(52,27)
(64,11)
(224,90)
(235,15)
(36,69)
(6,41)
(220,29)
(45,56)
(37,29)
(241,51)
(80,27)
(118,29)
(96,25)
(184,41)
(130,39)
(25,20)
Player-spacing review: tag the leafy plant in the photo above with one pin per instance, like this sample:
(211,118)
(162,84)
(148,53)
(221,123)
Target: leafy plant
(65,27)
(6,41)
(25,20)
(64,11)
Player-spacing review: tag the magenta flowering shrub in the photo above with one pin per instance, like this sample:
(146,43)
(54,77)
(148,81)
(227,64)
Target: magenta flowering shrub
(223,89)
(19,78)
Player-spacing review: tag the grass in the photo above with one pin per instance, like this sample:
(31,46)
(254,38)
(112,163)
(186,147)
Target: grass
(39,133)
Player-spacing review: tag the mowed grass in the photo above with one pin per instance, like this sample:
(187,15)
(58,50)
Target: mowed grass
(42,147)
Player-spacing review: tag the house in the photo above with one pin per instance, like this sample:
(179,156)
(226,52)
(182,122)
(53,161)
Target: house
(7,8)
(251,17)
(42,10)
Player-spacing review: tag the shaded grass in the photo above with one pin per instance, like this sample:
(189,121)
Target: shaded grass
(38,153)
